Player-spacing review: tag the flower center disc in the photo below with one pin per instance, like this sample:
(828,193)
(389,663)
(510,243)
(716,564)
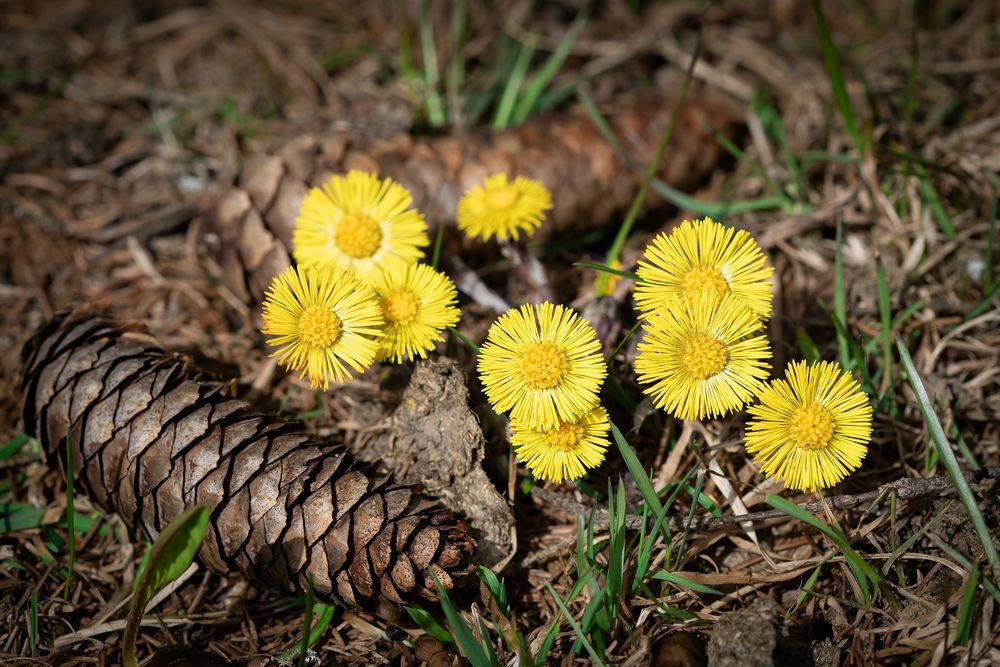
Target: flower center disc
(704,356)
(543,365)
(705,278)
(502,198)
(811,426)
(319,326)
(358,236)
(400,307)
(564,437)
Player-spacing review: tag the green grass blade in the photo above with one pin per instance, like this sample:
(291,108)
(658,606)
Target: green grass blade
(306,624)
(685,582)
(432,75)
(465,339)
(436,254)
(642,480)
(501,119)
(983,305)
(427,623)
(807,346)
(70,517)
(840,299)
(456,69)
(885,315)
(964,563)
(930,195)
(20,516)
(863,572)
(836,76)
(543,651)
(529,99)
(461,631)
(808,585)
(947,457)
(716,210)
(967,609)
(607,269)
(991,235)
(13,446)
(576,627)
(33,623)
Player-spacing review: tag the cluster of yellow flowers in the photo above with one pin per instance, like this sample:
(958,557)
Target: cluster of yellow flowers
(358,293)
(704,293)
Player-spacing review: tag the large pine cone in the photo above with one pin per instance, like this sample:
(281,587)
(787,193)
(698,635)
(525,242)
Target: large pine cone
(152,436)
(248,227)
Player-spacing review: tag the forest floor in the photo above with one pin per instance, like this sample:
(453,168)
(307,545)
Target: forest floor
(870,177)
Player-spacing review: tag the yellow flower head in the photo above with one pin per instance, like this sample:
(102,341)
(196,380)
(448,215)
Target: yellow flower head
(810,429)
(417,303)
(359,222)
(704,256)
(543,363)
(503,208)
(563,452)
(322,320)
(700,356)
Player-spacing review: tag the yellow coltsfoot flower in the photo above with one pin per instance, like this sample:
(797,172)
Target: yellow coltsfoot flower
(503,208)
(418,303)
(359,222)
(702,357)
(565,451)
(543,363)
(704,256)
(324,322)
(810,429)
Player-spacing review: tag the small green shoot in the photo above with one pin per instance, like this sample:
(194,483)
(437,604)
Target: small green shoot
(967,609)
(303,647)
(170,556)
(427,623)
(497,588)
(33,623)
(947,457)
(808,586)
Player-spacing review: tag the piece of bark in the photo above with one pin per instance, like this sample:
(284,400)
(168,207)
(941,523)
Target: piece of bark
(152,436)
(248,224)
(435,440)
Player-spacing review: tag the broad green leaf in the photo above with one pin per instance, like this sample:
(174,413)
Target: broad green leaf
(171,554)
